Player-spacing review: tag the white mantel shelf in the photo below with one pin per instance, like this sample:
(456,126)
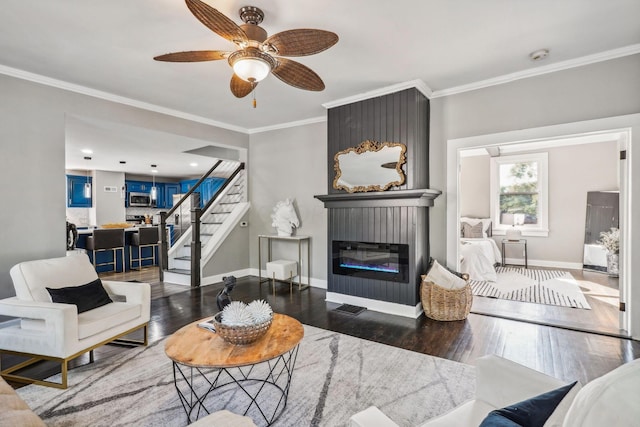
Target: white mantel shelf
(423,197)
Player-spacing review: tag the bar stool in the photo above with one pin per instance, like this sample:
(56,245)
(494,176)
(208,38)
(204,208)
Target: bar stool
(107,240)
(146,237)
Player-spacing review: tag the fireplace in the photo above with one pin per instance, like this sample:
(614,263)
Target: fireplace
(378,241)
(379,261)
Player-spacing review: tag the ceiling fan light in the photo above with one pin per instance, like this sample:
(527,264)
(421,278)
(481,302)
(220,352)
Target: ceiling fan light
(251,69)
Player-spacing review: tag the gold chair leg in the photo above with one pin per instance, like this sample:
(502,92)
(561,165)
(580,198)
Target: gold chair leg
(290,282)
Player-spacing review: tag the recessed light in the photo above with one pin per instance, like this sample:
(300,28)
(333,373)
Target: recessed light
(86,151)
(122,162)
(539,54)
(193,165)
(87,158)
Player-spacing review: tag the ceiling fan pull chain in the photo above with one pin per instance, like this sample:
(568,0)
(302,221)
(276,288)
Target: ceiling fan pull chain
(254,96)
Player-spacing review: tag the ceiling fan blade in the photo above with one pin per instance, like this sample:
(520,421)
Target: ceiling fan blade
(241,88)
(193,56)
(216,21)
(301,42)
(297,75)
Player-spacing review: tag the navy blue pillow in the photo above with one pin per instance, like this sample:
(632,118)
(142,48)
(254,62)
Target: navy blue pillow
(532,412)
(85,297)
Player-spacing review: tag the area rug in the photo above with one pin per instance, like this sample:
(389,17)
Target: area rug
(553,287)
(335,377)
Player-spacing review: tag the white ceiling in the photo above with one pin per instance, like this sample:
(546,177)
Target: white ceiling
(109,46)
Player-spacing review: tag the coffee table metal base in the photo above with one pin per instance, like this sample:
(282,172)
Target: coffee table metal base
(265,384)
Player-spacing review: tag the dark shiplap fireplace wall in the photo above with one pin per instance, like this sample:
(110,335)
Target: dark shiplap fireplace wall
(398,215)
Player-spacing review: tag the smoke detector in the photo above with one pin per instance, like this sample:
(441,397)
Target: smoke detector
(539,55)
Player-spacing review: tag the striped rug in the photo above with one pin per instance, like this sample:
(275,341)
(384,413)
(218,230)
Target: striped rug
(553,287)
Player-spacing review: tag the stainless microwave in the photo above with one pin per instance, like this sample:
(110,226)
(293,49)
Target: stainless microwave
(140,200)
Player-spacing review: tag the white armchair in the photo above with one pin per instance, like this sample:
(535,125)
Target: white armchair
(608,400)
(44,330)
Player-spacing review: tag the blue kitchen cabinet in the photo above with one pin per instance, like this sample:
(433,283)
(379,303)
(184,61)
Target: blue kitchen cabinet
(186,185)
(207,189)
(170,189)
(210,188)
(75,192)
(138,186)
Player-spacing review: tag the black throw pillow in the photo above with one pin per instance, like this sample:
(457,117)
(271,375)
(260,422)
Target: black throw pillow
(86,297)
(532,412)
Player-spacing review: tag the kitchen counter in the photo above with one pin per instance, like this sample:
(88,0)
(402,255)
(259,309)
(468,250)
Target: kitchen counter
(107,256)
(89,230)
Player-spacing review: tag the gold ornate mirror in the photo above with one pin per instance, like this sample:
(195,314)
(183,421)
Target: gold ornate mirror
(371,166)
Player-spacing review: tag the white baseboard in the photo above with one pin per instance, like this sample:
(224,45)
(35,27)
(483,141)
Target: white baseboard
(514,262)
(210,280)
(316,283)
(377,305)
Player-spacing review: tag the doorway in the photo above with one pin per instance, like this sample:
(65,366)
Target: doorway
(530,139)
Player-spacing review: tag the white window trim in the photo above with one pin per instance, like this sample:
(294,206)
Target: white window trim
(542,228)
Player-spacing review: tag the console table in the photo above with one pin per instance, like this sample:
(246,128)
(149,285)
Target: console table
(296,239)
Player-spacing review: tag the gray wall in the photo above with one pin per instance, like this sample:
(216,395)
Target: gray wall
(233,256)
(573,171)
(32,164)
(290,163)
(594,91)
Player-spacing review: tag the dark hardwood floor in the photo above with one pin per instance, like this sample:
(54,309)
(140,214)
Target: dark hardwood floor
(565,354)
(600,290)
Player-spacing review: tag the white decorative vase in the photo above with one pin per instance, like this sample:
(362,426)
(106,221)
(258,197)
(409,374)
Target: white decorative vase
(612,264)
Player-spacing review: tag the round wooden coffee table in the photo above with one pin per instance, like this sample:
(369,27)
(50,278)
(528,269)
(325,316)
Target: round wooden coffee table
(203,362)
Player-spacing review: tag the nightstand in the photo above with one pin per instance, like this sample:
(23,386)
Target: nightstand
(522,242)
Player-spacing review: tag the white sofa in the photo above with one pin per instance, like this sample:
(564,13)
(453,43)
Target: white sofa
(44,330)
(610,400)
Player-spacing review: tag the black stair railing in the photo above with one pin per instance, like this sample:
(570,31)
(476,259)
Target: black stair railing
(195,216)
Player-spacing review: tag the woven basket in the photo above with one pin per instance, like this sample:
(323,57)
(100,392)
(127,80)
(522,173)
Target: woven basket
(443,304)
(240,335)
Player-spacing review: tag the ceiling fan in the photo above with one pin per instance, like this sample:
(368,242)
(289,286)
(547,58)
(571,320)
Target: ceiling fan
(257,55)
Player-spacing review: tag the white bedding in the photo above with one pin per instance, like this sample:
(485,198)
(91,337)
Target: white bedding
(479,257)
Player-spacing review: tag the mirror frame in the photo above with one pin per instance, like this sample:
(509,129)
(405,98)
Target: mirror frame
(364,147)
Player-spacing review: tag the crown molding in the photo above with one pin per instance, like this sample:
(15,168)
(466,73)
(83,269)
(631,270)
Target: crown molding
(538,71)
(417,84)
(288,125)
(61,84)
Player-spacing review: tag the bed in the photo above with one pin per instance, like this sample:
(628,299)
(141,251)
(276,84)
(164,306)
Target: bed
(479,254)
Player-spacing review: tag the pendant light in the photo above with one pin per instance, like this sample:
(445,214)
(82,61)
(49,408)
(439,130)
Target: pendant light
(87,185)
(154,190)
(87,188)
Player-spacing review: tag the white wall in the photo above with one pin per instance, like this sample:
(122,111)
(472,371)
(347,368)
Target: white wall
(290,163)
(474,186)
(32,162)
(573,171)
(108,207)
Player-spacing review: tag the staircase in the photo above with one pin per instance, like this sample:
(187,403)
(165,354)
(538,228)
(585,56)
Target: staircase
(217,219)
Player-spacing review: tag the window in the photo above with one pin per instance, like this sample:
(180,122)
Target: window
(519,194)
